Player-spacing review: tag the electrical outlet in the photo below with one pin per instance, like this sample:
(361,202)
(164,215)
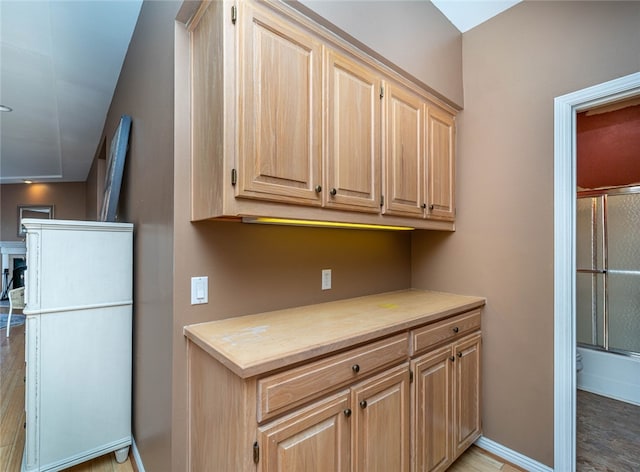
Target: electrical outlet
(326,279)
(199,290)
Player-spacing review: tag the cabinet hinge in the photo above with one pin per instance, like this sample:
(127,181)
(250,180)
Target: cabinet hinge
(410,376)
(234,176)
(381,200)
(256,452)
(234,14)
(381,91)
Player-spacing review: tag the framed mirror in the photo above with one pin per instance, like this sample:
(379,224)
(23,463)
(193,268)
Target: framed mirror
(33,211)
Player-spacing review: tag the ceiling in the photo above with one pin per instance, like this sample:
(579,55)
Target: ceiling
(467,14)
(59,64)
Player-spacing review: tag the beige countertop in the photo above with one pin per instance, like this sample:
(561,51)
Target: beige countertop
(254,344)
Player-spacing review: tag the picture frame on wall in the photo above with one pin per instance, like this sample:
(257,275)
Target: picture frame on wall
(42,212)
(115,169)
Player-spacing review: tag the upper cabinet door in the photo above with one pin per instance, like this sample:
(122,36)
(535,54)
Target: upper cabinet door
(441,137)
(353,135)
(280,93)
(405,191)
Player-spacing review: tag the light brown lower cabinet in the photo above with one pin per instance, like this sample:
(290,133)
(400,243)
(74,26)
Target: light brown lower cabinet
(365,428)
(466,405)
(405,400)
(446,402)
(319,435)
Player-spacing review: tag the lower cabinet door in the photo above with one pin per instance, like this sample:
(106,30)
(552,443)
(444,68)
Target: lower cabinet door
(314,439)
(381,422)
(467,392)
(433,411)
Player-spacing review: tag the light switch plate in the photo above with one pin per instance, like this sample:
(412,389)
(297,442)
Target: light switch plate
(199,290)
(326,279)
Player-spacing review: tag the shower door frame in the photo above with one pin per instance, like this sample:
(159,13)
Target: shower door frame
(603,194)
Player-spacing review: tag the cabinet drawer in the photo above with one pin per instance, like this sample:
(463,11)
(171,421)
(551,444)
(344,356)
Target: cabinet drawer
(436,333)
(285,390)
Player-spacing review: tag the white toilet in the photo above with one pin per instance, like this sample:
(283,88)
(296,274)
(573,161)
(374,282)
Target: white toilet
(578,361)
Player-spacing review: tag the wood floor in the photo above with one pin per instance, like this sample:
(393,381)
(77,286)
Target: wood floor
(477,460)
(12,421)
(608,433)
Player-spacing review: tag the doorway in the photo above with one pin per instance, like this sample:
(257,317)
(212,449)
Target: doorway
(565,109)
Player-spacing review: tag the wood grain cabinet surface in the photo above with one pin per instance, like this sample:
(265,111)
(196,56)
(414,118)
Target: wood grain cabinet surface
(406,157)
(346,395)
(466,403)
(290,120)
(447,395)
(317,437)
(280,85)
(282,391)
(353,116)
(441,140)
(363,429)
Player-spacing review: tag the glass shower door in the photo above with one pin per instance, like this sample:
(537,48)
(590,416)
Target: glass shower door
(590,279)
(623,271)
(608,275)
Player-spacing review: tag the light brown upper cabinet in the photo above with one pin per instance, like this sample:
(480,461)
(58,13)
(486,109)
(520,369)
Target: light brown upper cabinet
(353,135)
(441,136)
(279,154)
(290,120)
(420,156)
(405,154)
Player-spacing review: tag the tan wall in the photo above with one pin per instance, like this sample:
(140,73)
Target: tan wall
(95,182)
(514,65)
(68,199)
(145,92)
(92,195)
(415,36)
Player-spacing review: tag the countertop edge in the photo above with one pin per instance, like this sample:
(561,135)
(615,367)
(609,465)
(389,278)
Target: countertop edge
(269,364)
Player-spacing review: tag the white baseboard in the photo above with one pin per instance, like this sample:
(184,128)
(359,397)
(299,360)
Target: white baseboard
(511,456)
(136,456)
(484,443)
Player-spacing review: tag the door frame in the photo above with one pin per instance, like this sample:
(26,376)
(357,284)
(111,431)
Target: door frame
(565,109)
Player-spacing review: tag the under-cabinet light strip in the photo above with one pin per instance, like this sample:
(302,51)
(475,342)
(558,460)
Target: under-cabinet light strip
(322,224)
